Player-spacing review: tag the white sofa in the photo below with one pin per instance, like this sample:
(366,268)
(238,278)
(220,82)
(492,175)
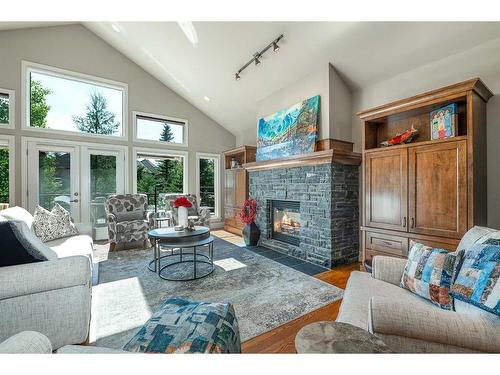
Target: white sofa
(408,323)
(51,297)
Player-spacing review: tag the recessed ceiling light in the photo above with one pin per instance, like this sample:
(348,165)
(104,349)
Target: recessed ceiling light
(207,99)
(115,27)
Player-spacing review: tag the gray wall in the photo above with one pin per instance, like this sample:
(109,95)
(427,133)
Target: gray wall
(335,106)
(482,61)
(75,48)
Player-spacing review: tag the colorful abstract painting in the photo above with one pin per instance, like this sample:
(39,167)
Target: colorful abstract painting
(443,122)
(289,132)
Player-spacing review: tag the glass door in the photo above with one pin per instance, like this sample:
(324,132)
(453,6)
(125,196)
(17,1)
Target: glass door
(53,177)
(103,175)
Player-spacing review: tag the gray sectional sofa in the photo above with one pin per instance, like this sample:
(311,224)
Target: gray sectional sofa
(408,323)
(51,297)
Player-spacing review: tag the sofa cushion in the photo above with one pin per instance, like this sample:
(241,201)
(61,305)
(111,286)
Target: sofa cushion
(13,250)
(31,242)
(429,273)
(18,214)
(475,234)
(50,225)
(477,281)
(75,245)
(361,286)
(129,215)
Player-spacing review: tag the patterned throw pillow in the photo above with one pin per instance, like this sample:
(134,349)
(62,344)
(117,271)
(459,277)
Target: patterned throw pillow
(477,282)
(429,273)
(51,225)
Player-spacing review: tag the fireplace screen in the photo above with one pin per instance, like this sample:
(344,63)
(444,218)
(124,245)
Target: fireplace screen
(285,221)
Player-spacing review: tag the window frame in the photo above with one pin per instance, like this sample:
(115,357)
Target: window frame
(184,143)
(217,181)
(28,67)
(12,109)
(160,153)
(8,141)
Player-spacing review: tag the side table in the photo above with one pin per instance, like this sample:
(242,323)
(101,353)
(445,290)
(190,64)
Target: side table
(336,337)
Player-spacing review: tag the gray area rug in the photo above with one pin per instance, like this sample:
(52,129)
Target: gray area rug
(265,294)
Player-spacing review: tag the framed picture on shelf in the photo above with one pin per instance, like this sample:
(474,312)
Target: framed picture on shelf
(444,122)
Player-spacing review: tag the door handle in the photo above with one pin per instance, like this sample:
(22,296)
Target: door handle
(74,201)
(404,222)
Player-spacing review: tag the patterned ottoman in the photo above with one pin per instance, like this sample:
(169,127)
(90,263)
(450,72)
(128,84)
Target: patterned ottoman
(182,326)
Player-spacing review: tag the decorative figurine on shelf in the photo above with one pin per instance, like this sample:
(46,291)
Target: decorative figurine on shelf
(234,163)
(182,204)
(251,232)
(190,226)
(405,137)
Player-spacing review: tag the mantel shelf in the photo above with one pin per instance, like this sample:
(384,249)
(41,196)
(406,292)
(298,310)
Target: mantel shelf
(314,158)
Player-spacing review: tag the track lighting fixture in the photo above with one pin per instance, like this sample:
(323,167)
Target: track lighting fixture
(256,59)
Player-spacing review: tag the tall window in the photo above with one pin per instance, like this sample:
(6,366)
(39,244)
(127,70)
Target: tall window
(163,172)
(7,108)
(208,181)
(66,101)
(156,128)
(6,170)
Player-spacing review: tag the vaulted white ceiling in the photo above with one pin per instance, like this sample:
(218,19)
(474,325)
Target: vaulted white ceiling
(201,61)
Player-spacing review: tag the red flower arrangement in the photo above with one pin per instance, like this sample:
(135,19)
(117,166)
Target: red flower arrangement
(182,202)
(248,211)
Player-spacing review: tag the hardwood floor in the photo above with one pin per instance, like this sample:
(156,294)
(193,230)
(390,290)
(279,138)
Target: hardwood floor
(281,339)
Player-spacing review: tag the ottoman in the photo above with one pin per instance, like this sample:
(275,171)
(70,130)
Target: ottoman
(182,326)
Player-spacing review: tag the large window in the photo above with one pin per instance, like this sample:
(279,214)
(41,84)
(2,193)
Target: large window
(59,100)
(7,107)
(160,129)
(207,181)
(160,172)
(6,170)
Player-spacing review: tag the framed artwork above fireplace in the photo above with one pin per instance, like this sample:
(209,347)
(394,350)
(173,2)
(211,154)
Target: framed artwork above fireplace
(289,132)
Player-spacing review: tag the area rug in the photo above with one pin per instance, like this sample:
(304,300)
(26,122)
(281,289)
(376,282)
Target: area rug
(265,294)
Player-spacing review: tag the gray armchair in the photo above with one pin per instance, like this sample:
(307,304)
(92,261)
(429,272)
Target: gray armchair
(202,214)
(128,219)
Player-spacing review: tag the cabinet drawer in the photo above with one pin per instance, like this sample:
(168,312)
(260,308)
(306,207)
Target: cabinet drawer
(434,244)
(369,254)
(386,243)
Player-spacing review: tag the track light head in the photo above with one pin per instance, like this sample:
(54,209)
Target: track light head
(276,47)
(257,59)
(237,76)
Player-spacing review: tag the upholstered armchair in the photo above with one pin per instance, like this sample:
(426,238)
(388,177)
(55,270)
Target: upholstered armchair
(128,219)
(202,214)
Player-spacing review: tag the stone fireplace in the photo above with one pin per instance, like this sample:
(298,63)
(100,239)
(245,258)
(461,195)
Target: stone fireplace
(308,211)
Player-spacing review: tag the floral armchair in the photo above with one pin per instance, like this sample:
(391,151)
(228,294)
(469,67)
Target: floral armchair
(128,219)
(166,201)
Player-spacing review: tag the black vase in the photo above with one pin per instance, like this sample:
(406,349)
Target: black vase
(251,234)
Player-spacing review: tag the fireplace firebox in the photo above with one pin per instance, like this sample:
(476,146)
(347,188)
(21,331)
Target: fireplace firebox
(285,221)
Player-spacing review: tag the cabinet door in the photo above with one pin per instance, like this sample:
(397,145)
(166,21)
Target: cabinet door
(438,189)
(386,189)
(241,187)
(229,188)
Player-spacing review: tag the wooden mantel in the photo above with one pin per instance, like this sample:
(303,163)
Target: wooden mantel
(319,157)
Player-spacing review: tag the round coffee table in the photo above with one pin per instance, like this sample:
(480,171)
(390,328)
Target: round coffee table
(336,337)
(177,242)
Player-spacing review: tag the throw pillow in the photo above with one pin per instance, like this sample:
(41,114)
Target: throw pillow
(477,282)
(51,225)
(13,250)
(429,273)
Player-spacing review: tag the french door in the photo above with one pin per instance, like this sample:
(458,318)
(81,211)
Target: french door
(79,177)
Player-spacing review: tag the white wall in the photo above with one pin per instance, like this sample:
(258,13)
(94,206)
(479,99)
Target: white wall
(482,61)
(75,48)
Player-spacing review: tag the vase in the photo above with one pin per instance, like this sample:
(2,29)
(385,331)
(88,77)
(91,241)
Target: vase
(251,234)
(182,216)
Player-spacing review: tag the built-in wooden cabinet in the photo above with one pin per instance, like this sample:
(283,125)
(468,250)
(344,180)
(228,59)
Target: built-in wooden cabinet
(236,186)
(428,191)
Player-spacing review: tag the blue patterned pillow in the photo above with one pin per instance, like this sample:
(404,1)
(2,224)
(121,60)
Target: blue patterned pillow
(477,281)
(429,273)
